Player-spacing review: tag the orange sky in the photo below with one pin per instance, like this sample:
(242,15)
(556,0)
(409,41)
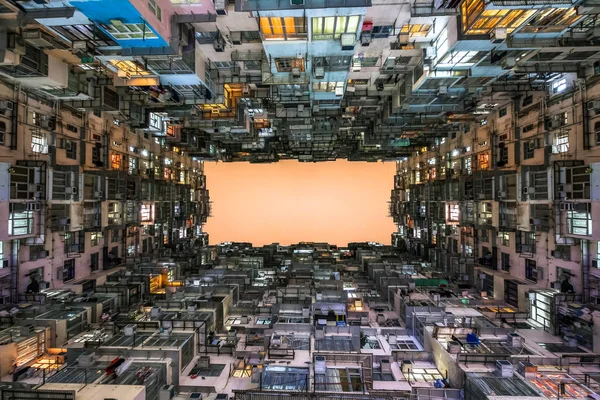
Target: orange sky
(290,202)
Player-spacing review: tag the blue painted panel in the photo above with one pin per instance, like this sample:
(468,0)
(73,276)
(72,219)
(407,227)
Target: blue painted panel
(103,11)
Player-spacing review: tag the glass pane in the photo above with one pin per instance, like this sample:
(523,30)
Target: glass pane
(290,27)
(329,25)
(317,26)
(265,26)
(341,25)
(353,24)
(277,27)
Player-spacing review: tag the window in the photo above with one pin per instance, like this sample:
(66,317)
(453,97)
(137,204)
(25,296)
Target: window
(333,87)
(71,149)
(416,30)
(147,213)
(116,235)
(333,63)
(476,20)
(1,253)
(467,165)
(68,271)
(483,122)
(39,144)
(504,238)
(133,165)
(559,86)
(528,150)
(383,31)
(580,222)
(564,252)
(94,239)
(505,261)
(483,160)
(252,65)
(286,64)
(250,36)
(94,261)
(364,62)
(528,128)
(452,212)
(116,160)
(328,28)
(502,112)
(155,9)
(283,28)
(37,252)
(527,100)
(530,270)
(561,143)
(121,31)
(20,222)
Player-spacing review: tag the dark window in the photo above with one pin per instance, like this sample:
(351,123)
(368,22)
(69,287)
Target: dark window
(115,251)
(71,150)
(36,252)
(527,100)
(505,261)
(597,131)
(503,112)
(382,31)
(563,252)
(250,36)
(116,235)
(333,63)
(98,113)
(528,128)
(252,65)
(530,270)
(72,128)
(95,261)
(68,272)
(528,150)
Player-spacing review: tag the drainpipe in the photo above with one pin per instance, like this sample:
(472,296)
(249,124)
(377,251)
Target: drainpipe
(14,271)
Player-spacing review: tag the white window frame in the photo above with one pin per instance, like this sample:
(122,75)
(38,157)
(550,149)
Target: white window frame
(39,143)
(561,143)
(124,31)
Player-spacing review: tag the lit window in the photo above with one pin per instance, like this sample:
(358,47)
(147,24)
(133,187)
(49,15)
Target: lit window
(579,222)
(116,160)
(133,163)
(283,28)
(132,68)
(476,20)
(561,143)
(94,236)
(20,223)
(147,213)
(483,160)
(559,86)
(327,28)
(39,144)
(416,30)
(328,86)
(452,213)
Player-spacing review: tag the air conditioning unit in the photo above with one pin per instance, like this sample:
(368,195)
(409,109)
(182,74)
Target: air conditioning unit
(97,195)
(221,7)
(296,72)
(64,221)
(15,43)
(508,62)
(347,40)
(319,73)
(236,38)
(38,38)
(593,105)
(501,195)
(529,190)
(442,90)
(540,273)
(498,35)
(6,105)
(219,45)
